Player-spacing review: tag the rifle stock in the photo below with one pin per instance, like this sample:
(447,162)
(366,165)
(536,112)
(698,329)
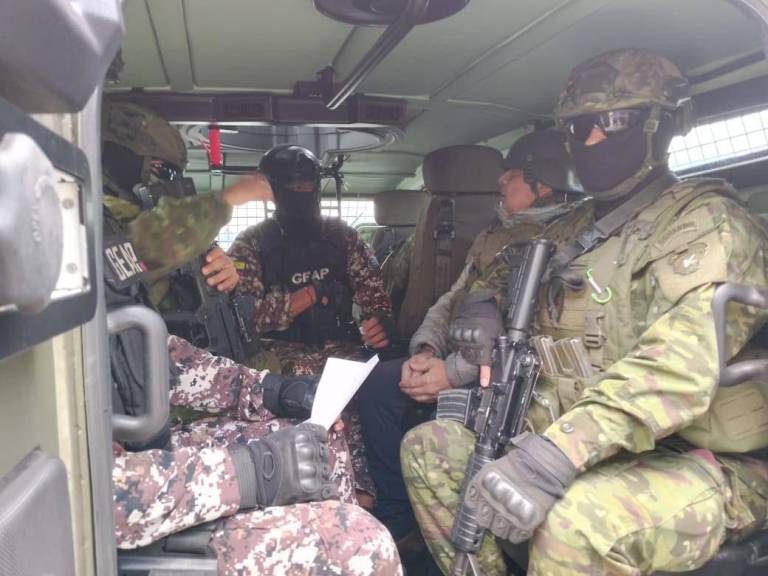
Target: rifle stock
(497,413)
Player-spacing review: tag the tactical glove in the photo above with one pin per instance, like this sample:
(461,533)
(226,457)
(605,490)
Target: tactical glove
(289,466)
(289,396)
(330,293)
(512,495)
(476,327)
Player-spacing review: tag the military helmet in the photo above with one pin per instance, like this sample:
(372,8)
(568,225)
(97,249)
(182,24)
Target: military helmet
(626,78)
(289,163)
(143,133)
(542,156)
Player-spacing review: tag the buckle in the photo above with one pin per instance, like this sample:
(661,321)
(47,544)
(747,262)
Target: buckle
(593,329)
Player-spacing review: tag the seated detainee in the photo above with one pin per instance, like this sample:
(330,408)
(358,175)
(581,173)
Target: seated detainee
(306,270)
(536,173)
(647,466)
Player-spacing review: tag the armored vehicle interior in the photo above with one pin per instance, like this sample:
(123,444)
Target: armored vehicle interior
(410,103)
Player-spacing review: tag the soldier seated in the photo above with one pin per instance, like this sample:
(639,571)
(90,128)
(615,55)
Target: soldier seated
(532,190)
(635,470)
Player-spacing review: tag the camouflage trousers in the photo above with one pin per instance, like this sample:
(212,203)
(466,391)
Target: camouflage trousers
(296,358)
(321,538)
(630,515)
(222,432)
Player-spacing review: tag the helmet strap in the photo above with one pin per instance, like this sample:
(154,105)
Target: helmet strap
(650,163)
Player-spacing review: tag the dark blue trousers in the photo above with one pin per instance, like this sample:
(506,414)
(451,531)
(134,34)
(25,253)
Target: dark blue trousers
(386,414)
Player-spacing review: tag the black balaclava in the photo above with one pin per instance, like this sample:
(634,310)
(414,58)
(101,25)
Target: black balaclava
(122,165)
(615,168)
(604,166)
(298,213)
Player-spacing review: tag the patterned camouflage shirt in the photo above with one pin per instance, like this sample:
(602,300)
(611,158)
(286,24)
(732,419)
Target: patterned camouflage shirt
(172,233)
(271,311)
(665,373)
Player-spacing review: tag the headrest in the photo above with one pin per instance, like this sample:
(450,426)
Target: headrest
(462,169)
(399,207)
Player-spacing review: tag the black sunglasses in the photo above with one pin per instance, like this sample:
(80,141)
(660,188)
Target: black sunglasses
(610,122)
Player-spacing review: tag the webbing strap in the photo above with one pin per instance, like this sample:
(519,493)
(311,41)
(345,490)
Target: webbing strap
(609,224)
(444,234)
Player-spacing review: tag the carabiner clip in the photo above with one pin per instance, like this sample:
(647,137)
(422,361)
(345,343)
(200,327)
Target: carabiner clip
(600,295)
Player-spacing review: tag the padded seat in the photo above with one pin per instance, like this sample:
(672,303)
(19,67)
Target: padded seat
(462,184)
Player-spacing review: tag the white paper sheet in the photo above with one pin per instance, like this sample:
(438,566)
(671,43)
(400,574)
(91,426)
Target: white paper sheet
(338,383)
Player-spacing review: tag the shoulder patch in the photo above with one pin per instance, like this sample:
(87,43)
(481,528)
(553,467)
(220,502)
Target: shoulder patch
(690,265)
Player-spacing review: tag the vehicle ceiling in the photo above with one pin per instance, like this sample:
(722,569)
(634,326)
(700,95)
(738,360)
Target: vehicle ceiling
(474,77)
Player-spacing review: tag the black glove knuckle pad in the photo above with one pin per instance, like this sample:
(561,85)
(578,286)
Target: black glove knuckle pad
(477,326)
(513,494)
(289,396)
(292,466)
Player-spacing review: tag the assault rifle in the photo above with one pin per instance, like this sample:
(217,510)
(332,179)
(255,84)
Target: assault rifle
(205,317)
(210,319)
(497,413)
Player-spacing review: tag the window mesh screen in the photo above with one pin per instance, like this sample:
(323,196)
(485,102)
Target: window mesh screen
(353,212)
(720,141)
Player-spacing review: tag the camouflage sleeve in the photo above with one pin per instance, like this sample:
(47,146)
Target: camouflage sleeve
(157,493)
(365,277)
(271,309)
(214,384)
(670,376)
(433,331)
(177,230)
(395,268)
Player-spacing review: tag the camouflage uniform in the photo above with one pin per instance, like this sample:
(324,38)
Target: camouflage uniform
(272,309)
(271,312)
(483,264)
(177,229)
(395,269)
(650,495)
(158,492)
(171,234)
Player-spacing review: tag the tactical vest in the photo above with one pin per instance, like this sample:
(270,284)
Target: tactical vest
(610,321)
(124,285)
(290,263)
(486,249)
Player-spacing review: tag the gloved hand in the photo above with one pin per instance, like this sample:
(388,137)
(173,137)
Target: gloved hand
(331,293)
(289,396)
(289,466)
(476,327)
(512,495)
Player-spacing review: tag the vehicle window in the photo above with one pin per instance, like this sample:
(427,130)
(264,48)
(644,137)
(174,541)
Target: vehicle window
(721,143)
(356,213)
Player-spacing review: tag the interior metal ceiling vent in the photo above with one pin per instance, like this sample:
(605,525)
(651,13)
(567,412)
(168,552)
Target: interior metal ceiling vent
(383,12)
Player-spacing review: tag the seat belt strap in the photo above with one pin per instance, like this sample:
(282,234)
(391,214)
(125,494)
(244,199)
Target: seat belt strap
(444,235)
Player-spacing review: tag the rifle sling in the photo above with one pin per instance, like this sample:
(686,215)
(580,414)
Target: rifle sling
(609,224)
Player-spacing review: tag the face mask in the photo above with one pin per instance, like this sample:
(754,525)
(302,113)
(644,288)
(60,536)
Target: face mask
(298,212)
(604,166)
